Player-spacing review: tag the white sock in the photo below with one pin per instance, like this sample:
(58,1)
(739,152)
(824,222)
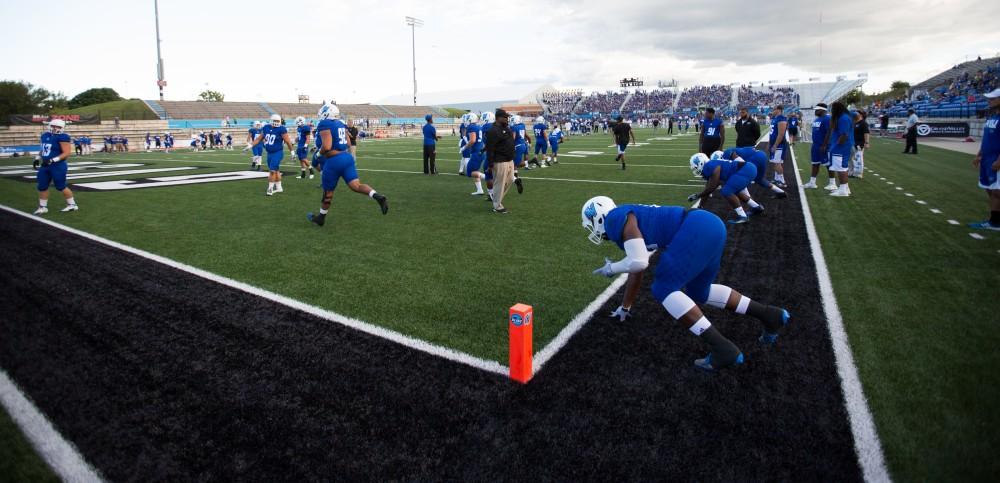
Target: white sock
(371,194)
(43,203)
(752,203)
(278,184)
(479,185)
(270,185)
(776,189)
(70,201)
(740,212)
(323,212)
(812,180)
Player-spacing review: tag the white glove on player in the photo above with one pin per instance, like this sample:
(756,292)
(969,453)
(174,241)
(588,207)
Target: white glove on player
(621,313)
(605,270)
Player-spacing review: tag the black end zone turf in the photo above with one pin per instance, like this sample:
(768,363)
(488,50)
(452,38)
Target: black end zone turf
(156,374)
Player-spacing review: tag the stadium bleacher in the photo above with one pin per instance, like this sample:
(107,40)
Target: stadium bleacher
(954,93)
(656,100)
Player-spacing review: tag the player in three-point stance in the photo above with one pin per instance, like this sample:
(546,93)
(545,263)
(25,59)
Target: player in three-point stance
(271,137)
(734,177)
(337,162)
(303,131)
(759,160)
(51,166)
(692,243)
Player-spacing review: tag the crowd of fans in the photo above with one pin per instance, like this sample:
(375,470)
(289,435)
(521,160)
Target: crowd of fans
(969,85)
(561,103)
(655,101)
(771,96)
(605,102)
(714,96)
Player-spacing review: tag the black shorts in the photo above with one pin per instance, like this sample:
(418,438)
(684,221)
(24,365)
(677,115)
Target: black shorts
(794,131)
(710,145)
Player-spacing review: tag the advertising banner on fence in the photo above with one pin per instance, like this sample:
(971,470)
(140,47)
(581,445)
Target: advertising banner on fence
(28,119)
(24,148)
(943,129)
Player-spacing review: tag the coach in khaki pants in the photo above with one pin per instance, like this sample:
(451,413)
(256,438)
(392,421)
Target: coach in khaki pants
(500,158)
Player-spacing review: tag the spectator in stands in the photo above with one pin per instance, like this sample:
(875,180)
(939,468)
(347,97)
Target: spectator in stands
(713,133)
(747,130)
(911,132)
(988,162)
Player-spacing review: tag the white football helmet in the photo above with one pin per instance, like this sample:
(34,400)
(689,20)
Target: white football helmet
(56,126)
(698,161)
(464,119)
(258,124)
(489,117)
(716,155)
(329,111)
(540,119)
(275,120)
(300,121)
(594,212)
(473,118)
(515,119)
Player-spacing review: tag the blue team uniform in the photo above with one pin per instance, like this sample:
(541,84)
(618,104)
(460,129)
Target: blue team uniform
(49,172)
(554,140)
(229,140)
(776,145)
(340,165)
(711,128)
(692,244)
(752,156)
(520,144)
(258,149)
(990,150)
(793,126)
(734,176)
(273,144)
(840,154)
(541,145)
(168,141)
(302,142)
(475,149)
(820,127)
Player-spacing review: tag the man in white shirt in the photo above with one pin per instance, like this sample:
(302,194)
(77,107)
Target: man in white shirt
(911,132)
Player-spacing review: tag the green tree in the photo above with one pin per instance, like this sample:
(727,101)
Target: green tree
(18,97)
(899,85)
(95,95)
(211,96)
(853,97)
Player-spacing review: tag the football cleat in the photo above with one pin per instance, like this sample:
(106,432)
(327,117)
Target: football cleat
(739,220)
(502,211)
(983,225)
(782,195)
(270,192)
(383,202)
(319,218)
(41,211)
(519,185)
(778,318)
(70,208)
(840,193)
(707,365)
(757,210)
(830,187)
(810,185)
(312,176)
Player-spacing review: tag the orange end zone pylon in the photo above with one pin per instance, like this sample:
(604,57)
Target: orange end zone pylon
(519,327)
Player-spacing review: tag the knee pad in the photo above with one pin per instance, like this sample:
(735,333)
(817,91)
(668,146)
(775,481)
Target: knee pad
(718,295)
(678,304)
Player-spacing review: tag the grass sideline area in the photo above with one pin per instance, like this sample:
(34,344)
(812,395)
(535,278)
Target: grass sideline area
(18,460)
(919,300)
(903,275)
(126,110)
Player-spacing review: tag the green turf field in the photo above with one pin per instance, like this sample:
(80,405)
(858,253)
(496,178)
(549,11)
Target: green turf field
(918,294)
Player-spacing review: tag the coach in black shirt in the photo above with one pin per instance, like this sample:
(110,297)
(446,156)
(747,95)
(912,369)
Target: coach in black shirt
(747,130)
(500,158)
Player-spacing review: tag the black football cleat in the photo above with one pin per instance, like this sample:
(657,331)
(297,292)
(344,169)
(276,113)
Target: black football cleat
(782,195)
(382,202)
(319,218)
(520,186)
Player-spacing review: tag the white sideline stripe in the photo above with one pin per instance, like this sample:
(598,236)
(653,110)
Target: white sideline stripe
(574,326)
(935,211)
(899,188)
(866,441)
(977,236)
(443,352)
(909,194)
(953,222)
(921,202)
(57,452)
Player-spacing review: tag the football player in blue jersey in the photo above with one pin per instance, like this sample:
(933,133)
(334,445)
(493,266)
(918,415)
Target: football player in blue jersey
(541,142)
(521,143)
(168,142)
(488,119)
(463,140)
(272,137)
(474,152)
(759,160)
(256,151)
(337,162)
(692,243)
(713,133)
(988,162)
(149,142)
(51,166)
(303,132)
(555,139)
(777,143)
(840,140)
(819,155)
(229,141)
(734,177)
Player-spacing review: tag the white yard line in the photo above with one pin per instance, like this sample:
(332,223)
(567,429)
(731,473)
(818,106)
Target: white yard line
(866,440)
(60,454)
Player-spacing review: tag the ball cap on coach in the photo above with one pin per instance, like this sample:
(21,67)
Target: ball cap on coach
(820,107)
(501,113)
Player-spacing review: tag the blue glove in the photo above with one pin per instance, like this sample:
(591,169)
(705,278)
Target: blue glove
(605,270)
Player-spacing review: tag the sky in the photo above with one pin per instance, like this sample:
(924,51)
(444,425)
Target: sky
(360,51)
